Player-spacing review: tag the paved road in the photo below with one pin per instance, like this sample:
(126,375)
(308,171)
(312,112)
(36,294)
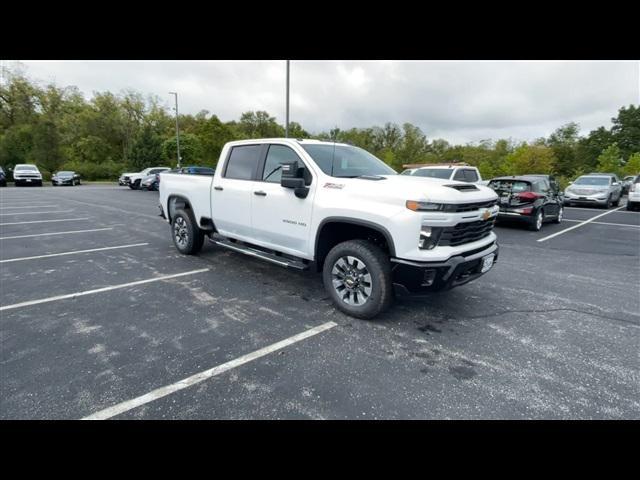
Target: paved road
(553,331)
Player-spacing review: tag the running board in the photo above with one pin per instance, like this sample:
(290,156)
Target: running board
(254,252)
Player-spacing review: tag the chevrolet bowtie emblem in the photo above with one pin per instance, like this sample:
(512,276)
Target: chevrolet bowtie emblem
(486,215)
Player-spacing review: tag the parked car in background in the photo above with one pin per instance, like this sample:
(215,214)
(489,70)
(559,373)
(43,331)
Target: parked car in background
(530,199)
(603,190)
(150,182)
(65,178)
(447,171)
(133,180)
(27,174)
(3,178)
(633,201)
(627,182)
(196,170)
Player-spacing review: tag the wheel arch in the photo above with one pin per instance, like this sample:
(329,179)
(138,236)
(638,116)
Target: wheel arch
(334,230)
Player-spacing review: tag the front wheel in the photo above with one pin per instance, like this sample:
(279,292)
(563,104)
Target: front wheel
(357,276)
(558,219)
(187,236)
(617,202)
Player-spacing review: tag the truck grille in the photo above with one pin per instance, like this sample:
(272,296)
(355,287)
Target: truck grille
(469,207)
(466,232)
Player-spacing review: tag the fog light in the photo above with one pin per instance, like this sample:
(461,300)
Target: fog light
(429,237)
(429,278)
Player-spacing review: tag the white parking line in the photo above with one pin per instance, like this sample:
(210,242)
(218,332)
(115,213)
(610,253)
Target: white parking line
(29,206)
(579,225)
(99,290)
(35,213)
(45,221)
(56,233)
(592,209)
(604,223)
(102,249)
(205,375)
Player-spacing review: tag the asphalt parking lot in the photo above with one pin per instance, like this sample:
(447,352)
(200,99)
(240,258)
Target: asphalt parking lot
(102,318)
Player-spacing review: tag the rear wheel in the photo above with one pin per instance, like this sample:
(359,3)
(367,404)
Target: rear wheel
(609,203)
(187,236)
(536,221)
(357,276)
(617,202)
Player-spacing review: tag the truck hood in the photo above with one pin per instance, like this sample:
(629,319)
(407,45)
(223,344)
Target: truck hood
(406,187)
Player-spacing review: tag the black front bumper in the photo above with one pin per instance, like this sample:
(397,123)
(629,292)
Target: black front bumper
(411,278)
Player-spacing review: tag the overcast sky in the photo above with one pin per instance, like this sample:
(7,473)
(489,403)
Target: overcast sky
(458,101)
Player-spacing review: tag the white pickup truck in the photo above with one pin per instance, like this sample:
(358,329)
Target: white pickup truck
(336,207)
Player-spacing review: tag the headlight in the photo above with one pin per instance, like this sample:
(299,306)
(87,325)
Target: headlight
(423,206)
(429,237)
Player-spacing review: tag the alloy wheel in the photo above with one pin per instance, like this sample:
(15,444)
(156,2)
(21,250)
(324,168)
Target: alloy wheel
(181,232)
(351,280)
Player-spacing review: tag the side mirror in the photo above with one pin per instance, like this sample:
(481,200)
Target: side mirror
(292,177)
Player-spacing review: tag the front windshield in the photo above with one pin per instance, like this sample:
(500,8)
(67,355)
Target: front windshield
(65,173)
(597,181)
(29,168)
(346,161)
(444,173)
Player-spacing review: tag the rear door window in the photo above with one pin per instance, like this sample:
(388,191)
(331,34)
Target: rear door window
(243,162)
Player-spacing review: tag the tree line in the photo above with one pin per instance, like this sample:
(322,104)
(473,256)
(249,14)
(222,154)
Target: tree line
(58,129)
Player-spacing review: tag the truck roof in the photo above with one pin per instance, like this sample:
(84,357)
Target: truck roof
(303,141)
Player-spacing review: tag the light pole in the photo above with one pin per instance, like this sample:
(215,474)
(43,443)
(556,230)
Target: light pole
(286,128)
(177,128)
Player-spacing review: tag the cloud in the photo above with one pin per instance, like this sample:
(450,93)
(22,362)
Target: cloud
(461,101)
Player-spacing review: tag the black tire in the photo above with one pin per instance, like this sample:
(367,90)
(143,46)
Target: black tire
(609,203)
(631,205)
(558,218)
(135,185)
(536,222)
(617,202)
(187,236)
(372,263)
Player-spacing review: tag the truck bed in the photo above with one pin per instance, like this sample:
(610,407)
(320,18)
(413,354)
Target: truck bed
(195,188)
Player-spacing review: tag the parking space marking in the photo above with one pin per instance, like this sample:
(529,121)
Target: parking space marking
(56,233)
(100,290)
(74,252)
(34,213)
(593,209)
(202,376)
(29,206)
(578,226)
(46,221)
(604,223)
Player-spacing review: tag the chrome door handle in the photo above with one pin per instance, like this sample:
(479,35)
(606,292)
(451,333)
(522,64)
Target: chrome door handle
(218,188)
(260,193)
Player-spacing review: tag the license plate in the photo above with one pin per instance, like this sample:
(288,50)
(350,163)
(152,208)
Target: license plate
(487,263)
(28,179)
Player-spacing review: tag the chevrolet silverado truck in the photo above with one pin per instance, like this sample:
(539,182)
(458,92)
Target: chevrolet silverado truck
(306,204)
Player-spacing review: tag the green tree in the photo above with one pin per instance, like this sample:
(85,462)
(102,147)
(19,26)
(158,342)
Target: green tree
(259,125)
(190,150)
(147,149)
(626,130)
(530,159)
(610,160)
(563,141)
(632,167)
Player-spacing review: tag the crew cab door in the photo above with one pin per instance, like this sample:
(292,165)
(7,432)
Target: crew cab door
(281,221)
(232,191)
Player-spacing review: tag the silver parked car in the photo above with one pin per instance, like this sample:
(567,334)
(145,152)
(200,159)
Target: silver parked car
(603,190)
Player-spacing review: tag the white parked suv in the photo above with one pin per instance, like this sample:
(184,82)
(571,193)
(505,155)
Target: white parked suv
(132,180)
(27,174)
(453,171)
(633,200)
(336,207)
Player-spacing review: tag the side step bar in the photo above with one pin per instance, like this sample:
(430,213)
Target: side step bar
(254,252)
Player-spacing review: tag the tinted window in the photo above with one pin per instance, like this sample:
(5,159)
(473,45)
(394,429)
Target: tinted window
(470,176)
(510,185)
(444,173)
(595,181)
(243,162)
(459,175)
(346,161)
(277,155)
